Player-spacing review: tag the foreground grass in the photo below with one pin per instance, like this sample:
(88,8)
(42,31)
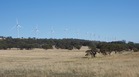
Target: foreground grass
(62,63)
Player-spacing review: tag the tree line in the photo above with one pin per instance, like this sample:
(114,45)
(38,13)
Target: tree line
(103,47)
(30,43)
(115,46)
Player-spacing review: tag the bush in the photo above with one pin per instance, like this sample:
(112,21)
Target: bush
(47,46)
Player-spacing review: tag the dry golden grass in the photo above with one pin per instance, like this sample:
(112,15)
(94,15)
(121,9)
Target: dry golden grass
(65,63)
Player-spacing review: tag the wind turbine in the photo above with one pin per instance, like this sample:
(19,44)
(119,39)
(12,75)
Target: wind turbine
(52,31)
(17,26)
(98,37)
(66,31)
(77,34)
(87,35)
(115,38)
(36,30)
(91,36)
(94,35)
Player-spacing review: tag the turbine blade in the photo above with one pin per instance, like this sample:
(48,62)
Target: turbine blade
(13,27)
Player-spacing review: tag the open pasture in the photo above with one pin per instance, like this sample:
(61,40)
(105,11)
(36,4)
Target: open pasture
(65,63)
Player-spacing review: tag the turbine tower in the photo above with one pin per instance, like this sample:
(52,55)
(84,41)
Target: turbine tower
(77,34)
(86,35)
(17,26)
(52,31)
(36,30)
(91,36)
(66,32)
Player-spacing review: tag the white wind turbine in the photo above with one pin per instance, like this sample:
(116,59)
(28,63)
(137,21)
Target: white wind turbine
(115,39)
(52,31)
(77,34)
(94,35)
(66,32)
(91,36)
(87,35)
(99,37)
(36,30)
(17,26)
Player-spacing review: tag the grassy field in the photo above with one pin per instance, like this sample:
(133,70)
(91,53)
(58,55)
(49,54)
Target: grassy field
(65,63)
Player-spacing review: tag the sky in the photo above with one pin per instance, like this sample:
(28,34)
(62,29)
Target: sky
(104,20)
